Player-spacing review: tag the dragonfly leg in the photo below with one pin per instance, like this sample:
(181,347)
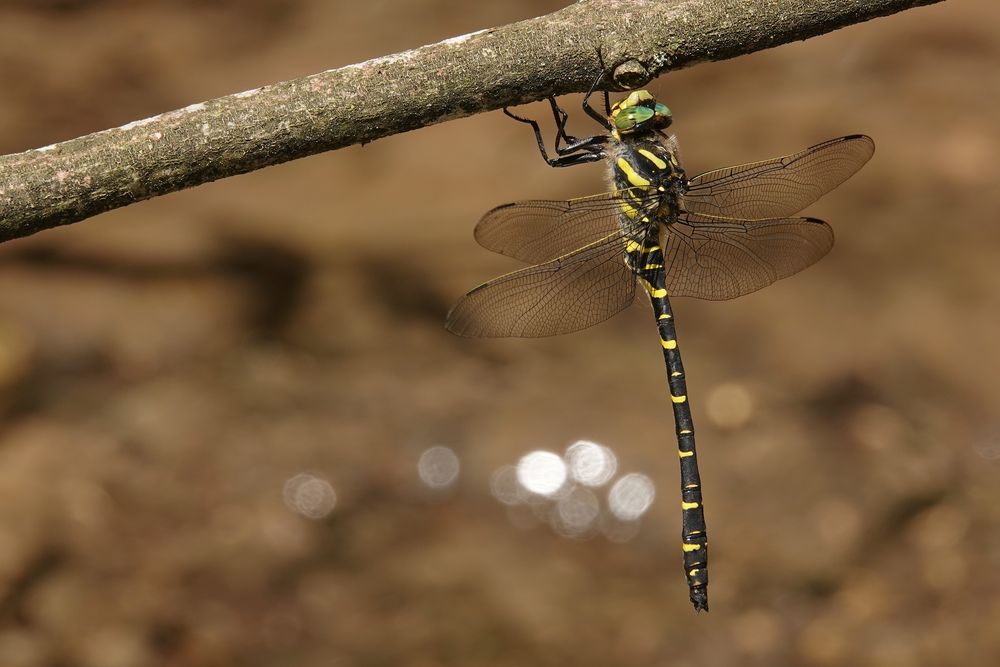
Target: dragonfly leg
(577,151)
(589,110)
(570,150)
(561,116)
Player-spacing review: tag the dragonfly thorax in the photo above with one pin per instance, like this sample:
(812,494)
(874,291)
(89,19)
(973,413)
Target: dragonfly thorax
(648,170)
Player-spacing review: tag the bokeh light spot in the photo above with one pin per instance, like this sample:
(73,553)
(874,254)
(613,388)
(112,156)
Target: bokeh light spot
(631,496)
(541,472)
(988,446)
(505,487)
(729,405)
(310,496)
(591,464)
(438,467)
(576,512)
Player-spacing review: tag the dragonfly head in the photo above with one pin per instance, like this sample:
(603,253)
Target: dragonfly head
(638,113)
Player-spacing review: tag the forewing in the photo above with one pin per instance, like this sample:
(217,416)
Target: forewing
(713,258)
(572,292)
(780,186)
(536,231)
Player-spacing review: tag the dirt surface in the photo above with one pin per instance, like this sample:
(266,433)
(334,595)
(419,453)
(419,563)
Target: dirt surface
(170,371)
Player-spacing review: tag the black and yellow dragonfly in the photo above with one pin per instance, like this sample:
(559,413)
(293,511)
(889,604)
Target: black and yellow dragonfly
(718,235)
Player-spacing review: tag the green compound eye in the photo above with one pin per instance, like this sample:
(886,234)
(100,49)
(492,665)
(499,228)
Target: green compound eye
(629,118)
(624,121)
(662,110)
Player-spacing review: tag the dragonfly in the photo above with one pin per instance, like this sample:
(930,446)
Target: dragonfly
(718,235)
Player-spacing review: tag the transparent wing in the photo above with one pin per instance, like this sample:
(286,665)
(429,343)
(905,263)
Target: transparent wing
(572,292)
(539,230)
(781,186)
(715,258)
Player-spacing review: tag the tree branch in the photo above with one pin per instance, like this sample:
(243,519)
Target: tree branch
(482,71)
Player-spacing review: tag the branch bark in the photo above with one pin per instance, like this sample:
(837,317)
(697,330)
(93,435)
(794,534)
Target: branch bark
(521,62)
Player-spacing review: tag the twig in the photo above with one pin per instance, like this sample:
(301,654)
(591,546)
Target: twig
(482,71)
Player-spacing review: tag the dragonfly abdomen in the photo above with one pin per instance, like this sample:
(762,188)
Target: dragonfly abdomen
(694,538)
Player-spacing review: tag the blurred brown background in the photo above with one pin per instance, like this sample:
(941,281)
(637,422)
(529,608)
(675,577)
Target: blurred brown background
(185,382)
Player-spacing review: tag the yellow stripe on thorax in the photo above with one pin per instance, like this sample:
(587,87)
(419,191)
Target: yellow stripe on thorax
(631,174)
(660,164)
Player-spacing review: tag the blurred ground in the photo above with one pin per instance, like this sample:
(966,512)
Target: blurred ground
(167,369)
